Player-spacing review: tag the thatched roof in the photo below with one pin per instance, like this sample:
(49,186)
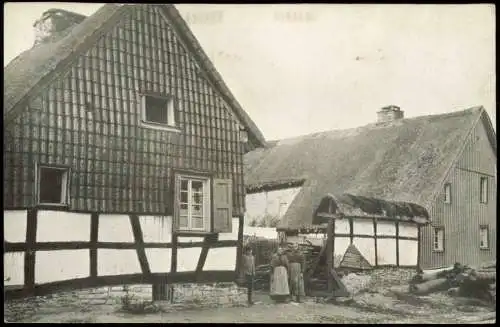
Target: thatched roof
(403,161)
(32,69)
(348,205)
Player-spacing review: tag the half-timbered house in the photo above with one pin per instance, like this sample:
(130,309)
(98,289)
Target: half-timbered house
(444,163)
(123,155)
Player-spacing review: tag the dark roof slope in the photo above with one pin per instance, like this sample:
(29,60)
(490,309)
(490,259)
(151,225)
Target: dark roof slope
(345,205)
(404,161)
(28,70)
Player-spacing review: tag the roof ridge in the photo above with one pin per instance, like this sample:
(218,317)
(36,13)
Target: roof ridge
(275,142)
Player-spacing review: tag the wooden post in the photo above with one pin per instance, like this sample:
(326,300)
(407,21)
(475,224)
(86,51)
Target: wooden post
(329,254)
(94,231)
(419,251)
(351,230)
(375,239)
(239,249)
(397,243)
(29,255)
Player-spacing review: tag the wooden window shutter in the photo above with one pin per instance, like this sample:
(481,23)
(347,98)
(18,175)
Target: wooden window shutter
(222,206)
(176,202)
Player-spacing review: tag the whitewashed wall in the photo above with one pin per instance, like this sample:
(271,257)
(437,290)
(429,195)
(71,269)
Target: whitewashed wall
(265,232)
(58,265)
(13,269)
(408,253)
(274,203)
(408,230)
(14,226)
(386,247)
(52,266)
(217,258)
(59,226)
(386,251)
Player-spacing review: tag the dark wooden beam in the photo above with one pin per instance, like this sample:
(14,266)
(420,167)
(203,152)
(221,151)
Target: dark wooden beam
(375,239)
(67,209)
(329,254)
(48,246)
(30,251)
(204,252)
(173,261)
(94,230)
(139,241)
(333,243)
(397,244)
(419,250)
(351,230)
(239,250)
(408,238)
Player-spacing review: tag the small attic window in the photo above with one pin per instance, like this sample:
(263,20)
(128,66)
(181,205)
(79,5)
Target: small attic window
(158,112)
(53,185)
(483,191)
(447,193)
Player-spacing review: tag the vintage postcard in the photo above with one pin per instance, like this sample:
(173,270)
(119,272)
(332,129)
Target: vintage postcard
(260,163)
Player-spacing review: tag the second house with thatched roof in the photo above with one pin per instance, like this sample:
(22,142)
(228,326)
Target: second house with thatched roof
(400,172)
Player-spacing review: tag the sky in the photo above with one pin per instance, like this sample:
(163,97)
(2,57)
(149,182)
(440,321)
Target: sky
(305,68)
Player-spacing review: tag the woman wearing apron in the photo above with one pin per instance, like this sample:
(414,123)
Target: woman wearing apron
(279,290)
(297,268)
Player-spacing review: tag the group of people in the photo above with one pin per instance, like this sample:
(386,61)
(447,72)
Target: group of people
(287,274)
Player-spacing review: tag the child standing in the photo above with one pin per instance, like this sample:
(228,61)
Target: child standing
(249,271)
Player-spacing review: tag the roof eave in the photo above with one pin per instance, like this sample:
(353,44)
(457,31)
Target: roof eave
(255,135)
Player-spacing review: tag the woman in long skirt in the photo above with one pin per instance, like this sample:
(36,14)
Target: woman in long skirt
(297,267)
(279,290)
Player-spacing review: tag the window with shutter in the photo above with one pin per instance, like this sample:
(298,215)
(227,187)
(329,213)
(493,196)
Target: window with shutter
(192,203)
(438,239)
(222,206)
(447,193)
(484,237)
(483,195)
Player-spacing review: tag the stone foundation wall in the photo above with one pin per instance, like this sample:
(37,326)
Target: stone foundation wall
(201,294)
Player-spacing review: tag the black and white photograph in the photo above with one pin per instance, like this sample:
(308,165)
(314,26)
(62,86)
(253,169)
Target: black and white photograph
(249,163)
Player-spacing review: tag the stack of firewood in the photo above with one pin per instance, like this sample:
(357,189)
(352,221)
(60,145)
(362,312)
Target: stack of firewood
(479,282)
(262,277)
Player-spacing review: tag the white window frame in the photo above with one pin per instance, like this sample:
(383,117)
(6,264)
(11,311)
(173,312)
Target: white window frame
(171,124)
(447,193)
(207,209)
(481,243)
(436,246)
(64,184)
(483,189)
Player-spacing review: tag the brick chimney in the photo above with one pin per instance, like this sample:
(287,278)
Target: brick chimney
(54,24)
(389,113)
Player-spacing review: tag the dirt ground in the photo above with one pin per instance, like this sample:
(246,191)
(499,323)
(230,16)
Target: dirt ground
(363,308)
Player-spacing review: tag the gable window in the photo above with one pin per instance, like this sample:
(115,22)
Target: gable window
(483,192)
(447,193)
(438,239)
(52,185)
(158,111)
(484,237)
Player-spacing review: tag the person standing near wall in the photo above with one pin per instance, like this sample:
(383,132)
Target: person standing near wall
(249,271)
(297,268)
(279,290)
